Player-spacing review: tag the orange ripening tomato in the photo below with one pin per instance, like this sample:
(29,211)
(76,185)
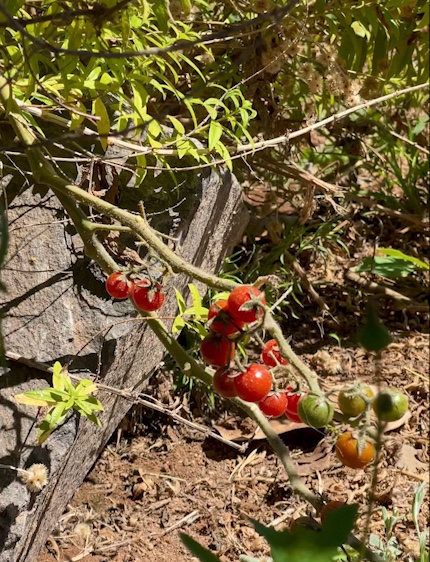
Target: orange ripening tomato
(354,453)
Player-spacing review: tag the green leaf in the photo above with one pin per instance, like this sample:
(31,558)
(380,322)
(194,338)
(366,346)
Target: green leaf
(87,406)
(57,414)
(195,295)
(103,123)
(177,125)
(215,133)
(225,155)
(310,544)
(154,129)
(160,11)
(12,6)
(202,553)
(84,388)
(141,169)
(32,400)
(391,266)
(360,30)
(140,98)
(373,335)
(178,324)
(57,377)
(44,397)
(187,148)
(404,257)
(181,302)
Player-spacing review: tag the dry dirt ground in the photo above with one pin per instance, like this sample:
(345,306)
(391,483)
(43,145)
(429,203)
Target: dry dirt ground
(163,477)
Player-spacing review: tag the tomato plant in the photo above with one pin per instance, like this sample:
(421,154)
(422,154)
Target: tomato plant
(351,400)
(271,356)
(390,405)
(216,350)
(254,384)
(315,410)
(273,406)
(223,383)
(118,286)
(148,297)
(222,322)
(354,453)
(291,410)
(241,305)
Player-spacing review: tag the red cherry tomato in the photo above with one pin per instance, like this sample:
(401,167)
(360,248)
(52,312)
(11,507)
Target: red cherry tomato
(222,322)
(330,506)
(273,406)
(216,350)
(271,351)
(148,297)
(239,305)
(354,453)
(292,405)
(223,383)
(118,286)
(254,384)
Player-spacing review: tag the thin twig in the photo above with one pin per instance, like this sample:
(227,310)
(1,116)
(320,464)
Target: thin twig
(235,151)
(372,287)
(190,518)
(305,281)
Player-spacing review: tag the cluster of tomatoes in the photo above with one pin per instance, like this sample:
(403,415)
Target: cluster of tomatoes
(146,295)
(354,449)
(230,320)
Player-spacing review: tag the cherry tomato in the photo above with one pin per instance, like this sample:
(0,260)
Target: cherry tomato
(222,322)
(223,383)
(118,286)
(390,405)
(330,506)
(254,384)
(291,410)
(240,307)
(148,297)
(351,402)
(270,354)
(315,410)
(273,406)
(216,350)
(354,453)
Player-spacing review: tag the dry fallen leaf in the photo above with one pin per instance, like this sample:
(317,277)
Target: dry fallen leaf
(246,433)
(391,426)
(406,460)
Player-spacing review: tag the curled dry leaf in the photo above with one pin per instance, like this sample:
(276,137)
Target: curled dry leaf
(391,426)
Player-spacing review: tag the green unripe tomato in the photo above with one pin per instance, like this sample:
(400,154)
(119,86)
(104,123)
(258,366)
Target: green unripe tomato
(315,410)
(390,405)
(350,401)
